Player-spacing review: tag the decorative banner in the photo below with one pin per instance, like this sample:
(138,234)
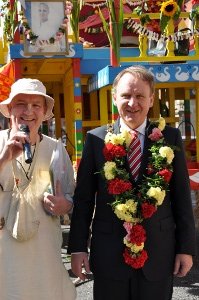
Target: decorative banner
(6,80)
(177,36)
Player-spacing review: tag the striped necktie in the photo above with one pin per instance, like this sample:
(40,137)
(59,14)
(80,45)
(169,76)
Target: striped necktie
(134,155)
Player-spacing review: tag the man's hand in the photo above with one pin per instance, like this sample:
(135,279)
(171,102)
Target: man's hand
(80,261)
(183,264)
(57,205)
(13,147)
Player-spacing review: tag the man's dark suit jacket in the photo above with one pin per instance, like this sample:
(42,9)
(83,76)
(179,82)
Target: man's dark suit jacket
(169,231)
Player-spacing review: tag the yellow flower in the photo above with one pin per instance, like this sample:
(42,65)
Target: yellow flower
(157,193)
(162,123)
(127,137)
(136,220)
(134,248)
(108,137)
(169,8)
(117,139)
(109,170)
(131,206)
(122,213)
(168,153)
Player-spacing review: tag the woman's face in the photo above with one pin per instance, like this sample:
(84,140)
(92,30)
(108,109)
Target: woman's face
(29,110)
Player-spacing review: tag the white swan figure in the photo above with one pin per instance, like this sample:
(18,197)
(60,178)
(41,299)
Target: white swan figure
(21,52)
(151,70)
(195,177)
(164,76)
(71,51)
(195,74)
(181,76)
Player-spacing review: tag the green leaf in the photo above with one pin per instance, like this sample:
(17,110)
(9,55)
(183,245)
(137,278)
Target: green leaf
(177,14)
(138,10)
(194,13)
(74,18)
(163,22)
(145,19)
(180,2)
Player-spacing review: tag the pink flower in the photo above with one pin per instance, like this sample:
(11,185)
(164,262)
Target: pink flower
(128,226)
(156,134)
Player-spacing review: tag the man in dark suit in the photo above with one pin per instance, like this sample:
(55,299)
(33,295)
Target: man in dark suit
(142,228)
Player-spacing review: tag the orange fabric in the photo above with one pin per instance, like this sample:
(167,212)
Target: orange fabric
(6,80)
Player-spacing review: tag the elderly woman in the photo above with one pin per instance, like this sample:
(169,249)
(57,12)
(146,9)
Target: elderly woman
(30,233)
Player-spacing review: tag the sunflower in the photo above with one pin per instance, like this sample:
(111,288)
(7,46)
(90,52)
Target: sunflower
(169,8)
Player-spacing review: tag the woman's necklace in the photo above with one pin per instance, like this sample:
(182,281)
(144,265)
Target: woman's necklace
(24,165)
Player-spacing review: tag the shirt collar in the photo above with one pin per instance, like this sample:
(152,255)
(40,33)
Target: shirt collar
(140,129)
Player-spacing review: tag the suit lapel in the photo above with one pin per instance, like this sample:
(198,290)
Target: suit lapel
(116,126)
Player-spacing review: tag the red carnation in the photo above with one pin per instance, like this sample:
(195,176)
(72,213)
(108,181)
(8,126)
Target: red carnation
(137,235)
(119,151)
(147,210)
(134,261)
(150,169)
(111,151)
(118,186)
(108,151)
(166,174)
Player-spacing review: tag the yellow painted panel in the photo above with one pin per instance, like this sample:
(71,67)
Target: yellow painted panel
(78,110)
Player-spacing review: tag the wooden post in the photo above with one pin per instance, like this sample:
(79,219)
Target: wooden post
(57,111)
(78,109)
(103,106)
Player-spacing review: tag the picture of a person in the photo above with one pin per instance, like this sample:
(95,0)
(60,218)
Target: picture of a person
(43,12)
(46,19)
(43,27)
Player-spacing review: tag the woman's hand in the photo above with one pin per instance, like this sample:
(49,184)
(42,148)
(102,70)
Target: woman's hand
(57,205)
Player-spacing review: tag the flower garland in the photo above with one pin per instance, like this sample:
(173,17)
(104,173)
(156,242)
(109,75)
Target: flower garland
(135,204)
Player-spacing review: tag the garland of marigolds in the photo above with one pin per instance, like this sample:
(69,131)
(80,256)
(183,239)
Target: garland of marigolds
(134,205)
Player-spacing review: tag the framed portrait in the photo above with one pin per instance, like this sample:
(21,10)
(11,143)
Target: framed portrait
(46,28)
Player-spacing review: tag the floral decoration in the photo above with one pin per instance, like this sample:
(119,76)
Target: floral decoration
(135,204)
(8,13)
(169,9)
(194,14)
(14,20)
(32,37)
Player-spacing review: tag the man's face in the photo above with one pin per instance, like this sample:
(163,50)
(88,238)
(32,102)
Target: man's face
(43,12)
(133,99)
(29,110)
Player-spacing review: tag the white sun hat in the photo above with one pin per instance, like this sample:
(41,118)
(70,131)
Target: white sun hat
(30,87)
